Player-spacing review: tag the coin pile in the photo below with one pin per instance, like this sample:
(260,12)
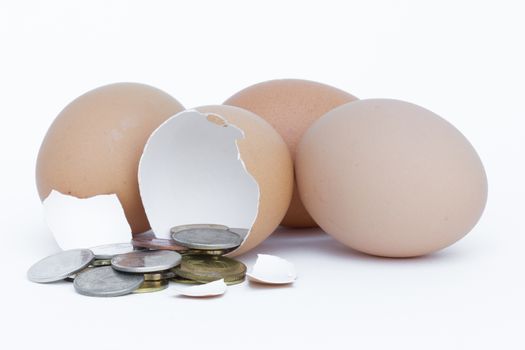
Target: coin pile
(194,255)
(204,261)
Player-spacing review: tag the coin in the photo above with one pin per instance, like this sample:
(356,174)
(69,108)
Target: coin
(58,266)
(101,262)
(157,276)
(207,268)
(229,282)
(144,235)
(232,282)
(178,279)
(106,282)
(207,252)
(148,240)
(146,261)
(108,251)
(71,278)
(152,286)
(207,239)
(243,232)
(192,226)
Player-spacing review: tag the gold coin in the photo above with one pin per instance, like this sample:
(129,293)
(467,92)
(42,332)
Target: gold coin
(178,279)
(101,262)
(229,283)
(207,252)
(152,286)
(208,268)
(157,276)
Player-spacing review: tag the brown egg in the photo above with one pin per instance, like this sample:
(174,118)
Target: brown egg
(216,165)
(291,106)
(94,145)
(390,178)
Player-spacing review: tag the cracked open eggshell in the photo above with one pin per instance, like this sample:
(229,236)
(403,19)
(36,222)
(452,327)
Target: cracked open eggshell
(216,164)
(86,170)
(291,106)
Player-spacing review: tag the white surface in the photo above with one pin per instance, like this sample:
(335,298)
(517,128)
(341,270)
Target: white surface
(191,173)
(462,60)
(85,222)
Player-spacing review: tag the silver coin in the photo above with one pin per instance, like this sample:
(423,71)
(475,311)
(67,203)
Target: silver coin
(243,232)
(106,282)
(207,239)
(58,266)
(108,251)
(146,261)
(192,226)
(71,278)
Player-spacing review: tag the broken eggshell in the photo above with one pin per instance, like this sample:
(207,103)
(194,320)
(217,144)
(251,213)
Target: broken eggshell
(80,223)
(93,148)
(270,269)
(216,164)
(210,289)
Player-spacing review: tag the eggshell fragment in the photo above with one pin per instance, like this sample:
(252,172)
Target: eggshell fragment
(291,106)
(390,178)
(80,223)
(272,269)
(94,145)
(203,290)
(216,164)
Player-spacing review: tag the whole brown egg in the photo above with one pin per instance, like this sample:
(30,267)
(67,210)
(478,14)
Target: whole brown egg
(94,145)
(397,180)
(291,106)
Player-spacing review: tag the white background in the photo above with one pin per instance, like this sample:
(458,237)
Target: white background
(463,60)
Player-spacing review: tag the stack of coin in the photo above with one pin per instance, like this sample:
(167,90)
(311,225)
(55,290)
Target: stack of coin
(103,255)
(155,266)
(147,264)
(128,270)
(148,240)
(204,261)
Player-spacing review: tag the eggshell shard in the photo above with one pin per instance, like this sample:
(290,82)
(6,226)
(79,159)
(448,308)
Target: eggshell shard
(94,145)
(390,178)
(216,164)
(211,289)
(291,106)
(80,223)
(270,269)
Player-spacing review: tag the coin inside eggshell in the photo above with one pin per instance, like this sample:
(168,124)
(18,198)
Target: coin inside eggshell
(216,164)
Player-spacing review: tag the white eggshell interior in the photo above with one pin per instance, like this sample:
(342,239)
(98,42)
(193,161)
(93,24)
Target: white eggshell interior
(85,222)
(191,172)
(272,269)
(204,290)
